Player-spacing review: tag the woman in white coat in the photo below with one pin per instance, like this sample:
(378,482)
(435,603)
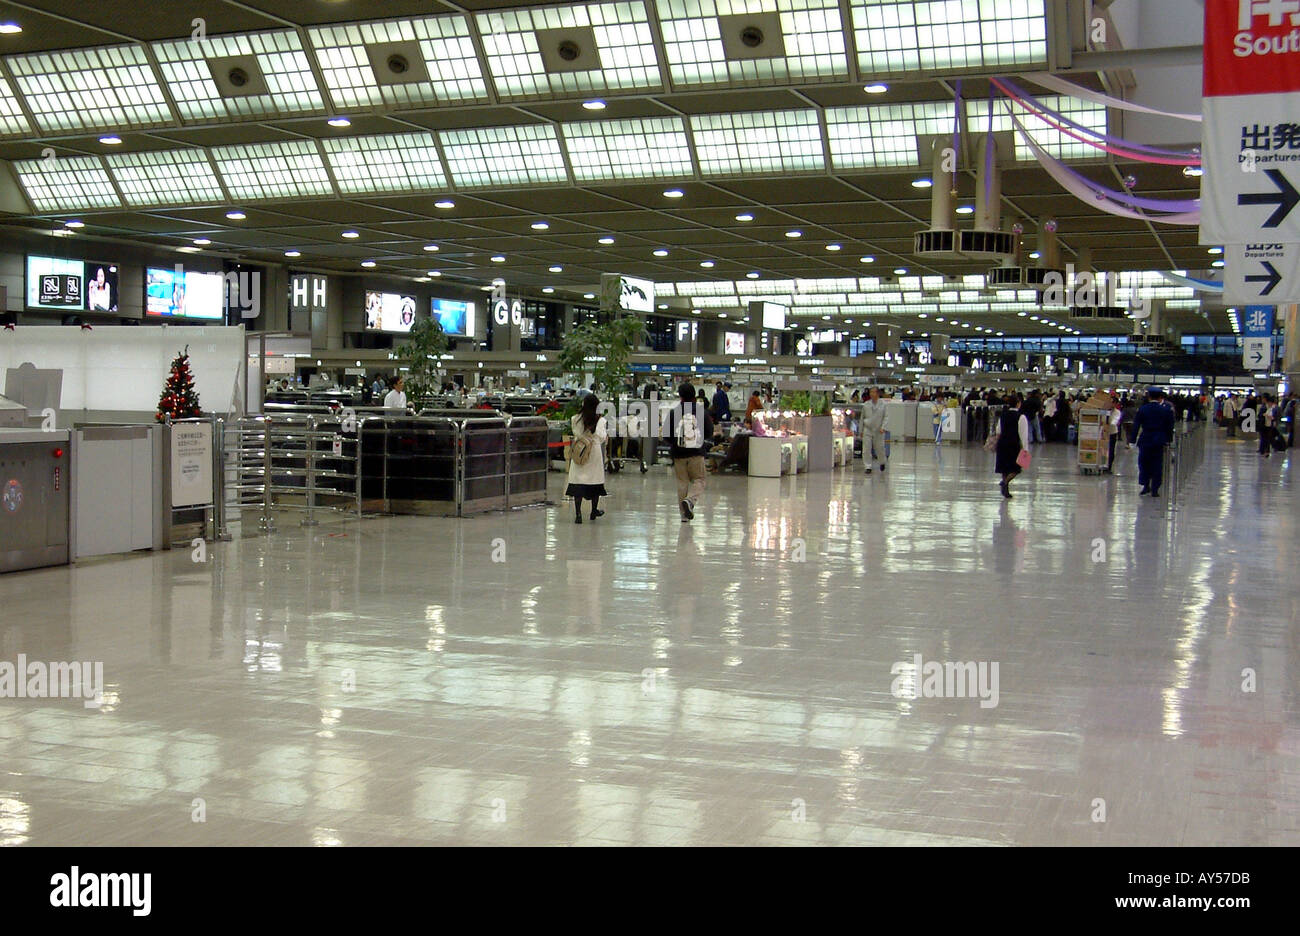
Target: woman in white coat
(587,481)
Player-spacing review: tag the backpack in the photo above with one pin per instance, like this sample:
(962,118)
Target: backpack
(689,433)
(581,448)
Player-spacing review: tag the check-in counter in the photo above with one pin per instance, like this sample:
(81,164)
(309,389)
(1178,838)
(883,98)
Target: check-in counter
(901,419)
(35,486)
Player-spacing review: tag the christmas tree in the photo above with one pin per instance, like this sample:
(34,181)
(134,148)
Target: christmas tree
(178,400)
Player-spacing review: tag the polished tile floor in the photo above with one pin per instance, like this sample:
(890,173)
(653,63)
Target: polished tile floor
(517,679)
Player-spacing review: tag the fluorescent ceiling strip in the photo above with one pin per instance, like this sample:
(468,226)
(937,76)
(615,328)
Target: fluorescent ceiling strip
(455,75)
(623,38)
(291,87)
(811,30)
(651,147)
(167,177)
(761,142)
(291,169)
(895,36)
(69,183)
(13,122)
(488,156)
(106,87)
(388,163)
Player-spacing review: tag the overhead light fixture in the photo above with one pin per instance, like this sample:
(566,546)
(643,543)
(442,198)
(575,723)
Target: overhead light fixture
(923,315)
(351,235)
(965,209)
(593,105)
(1000,334)
(198,241)
(695,311)
(75,224)
(1193,172)
(368,264)
(339,122)
(435,273)
(444,203)
(548,289)
(10,29)
(744,217)
(431,248)
(876,88)
(1216,264)
(236,215)
(588,295)
(661,252)
(111,140)
(1022,314)
(921,183)
(752,275)
(1215,251)
(1033,318)
(794,234)
(900,271)
(722,315)
(674,193)
(498,259)
(540,226)
(707,264)
(606,241)
(291,254)
(867,259)
(557,269)
(833,247)
(1035,255)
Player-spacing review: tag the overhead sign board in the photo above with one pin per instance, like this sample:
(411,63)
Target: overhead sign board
(1261,273)
(625,293)
(1256,353)
(1257,322)
(1250,134)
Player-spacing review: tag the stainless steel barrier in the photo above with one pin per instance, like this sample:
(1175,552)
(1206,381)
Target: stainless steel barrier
(1182,456)
(482,465)
(527,464)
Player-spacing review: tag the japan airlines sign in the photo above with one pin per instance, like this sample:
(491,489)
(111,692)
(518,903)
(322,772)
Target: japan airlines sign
(1250,144)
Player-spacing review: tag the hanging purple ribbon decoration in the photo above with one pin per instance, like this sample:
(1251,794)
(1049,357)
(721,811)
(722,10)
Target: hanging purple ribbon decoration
(956,132)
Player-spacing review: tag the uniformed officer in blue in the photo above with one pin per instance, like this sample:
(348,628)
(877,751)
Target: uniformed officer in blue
(1154,426)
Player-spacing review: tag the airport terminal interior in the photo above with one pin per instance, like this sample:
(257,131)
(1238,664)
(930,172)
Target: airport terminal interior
(649,422)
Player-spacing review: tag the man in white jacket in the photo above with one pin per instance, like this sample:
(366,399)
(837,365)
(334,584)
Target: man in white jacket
(873,430)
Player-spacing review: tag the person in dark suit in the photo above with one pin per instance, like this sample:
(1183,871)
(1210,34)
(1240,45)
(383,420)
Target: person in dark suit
(1154,426)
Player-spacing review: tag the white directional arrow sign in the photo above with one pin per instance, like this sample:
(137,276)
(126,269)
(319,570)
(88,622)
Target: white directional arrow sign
(1250,134)
(1257,353)
(1261,273)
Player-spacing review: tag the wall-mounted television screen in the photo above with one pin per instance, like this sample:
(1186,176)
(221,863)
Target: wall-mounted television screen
(456,317)
(181,293)
(389,312)
(71,285)
(733,343)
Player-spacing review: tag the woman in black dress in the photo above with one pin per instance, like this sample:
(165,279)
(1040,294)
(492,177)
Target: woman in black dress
(1013,438)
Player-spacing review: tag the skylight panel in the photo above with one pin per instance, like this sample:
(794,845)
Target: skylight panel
(1060,146)
(389,163)
(750,143)
(69,183)
(522,155)
(108,87)
(13,122)
(883,136)
(653,147)
(895,36)
(291,169)
(454,74)
(625,48)
(165,177)
(811,31)
(290,85)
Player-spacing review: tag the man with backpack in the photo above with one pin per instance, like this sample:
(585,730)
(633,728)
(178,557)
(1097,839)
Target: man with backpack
(690,427)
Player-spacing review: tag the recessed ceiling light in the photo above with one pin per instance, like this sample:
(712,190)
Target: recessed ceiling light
(707,264)
(1035,255)
(540,226)
(187,250)
(74,224)
(548,289)
(435,272)
(965,209)
(876,88)
(606,241)
(744,216)
(368,264)
(557,269)
(921,183)
(339,122)
(236,215)
(674,193)
(422,279)
(900,271)
(498,259)
(593,105)
(1215,251)
(431,248)
(923,315)
(10,29)
(826,318)
(833,247)
(965,324)
(722,315)
(661,252)
(351,235)
(1033,318)
(198,241)
(1193,172)
(111,140)
(293,253)
(1217,263)
(1022,314)
(867,259)
(1000,334)
(444,203)
(588,295)
(793,234)
(751,276)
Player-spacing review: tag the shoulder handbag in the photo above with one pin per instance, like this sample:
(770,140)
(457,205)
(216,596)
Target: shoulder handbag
(581,447)
(1023,459)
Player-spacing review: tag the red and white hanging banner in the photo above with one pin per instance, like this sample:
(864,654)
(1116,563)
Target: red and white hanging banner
(1250,143)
